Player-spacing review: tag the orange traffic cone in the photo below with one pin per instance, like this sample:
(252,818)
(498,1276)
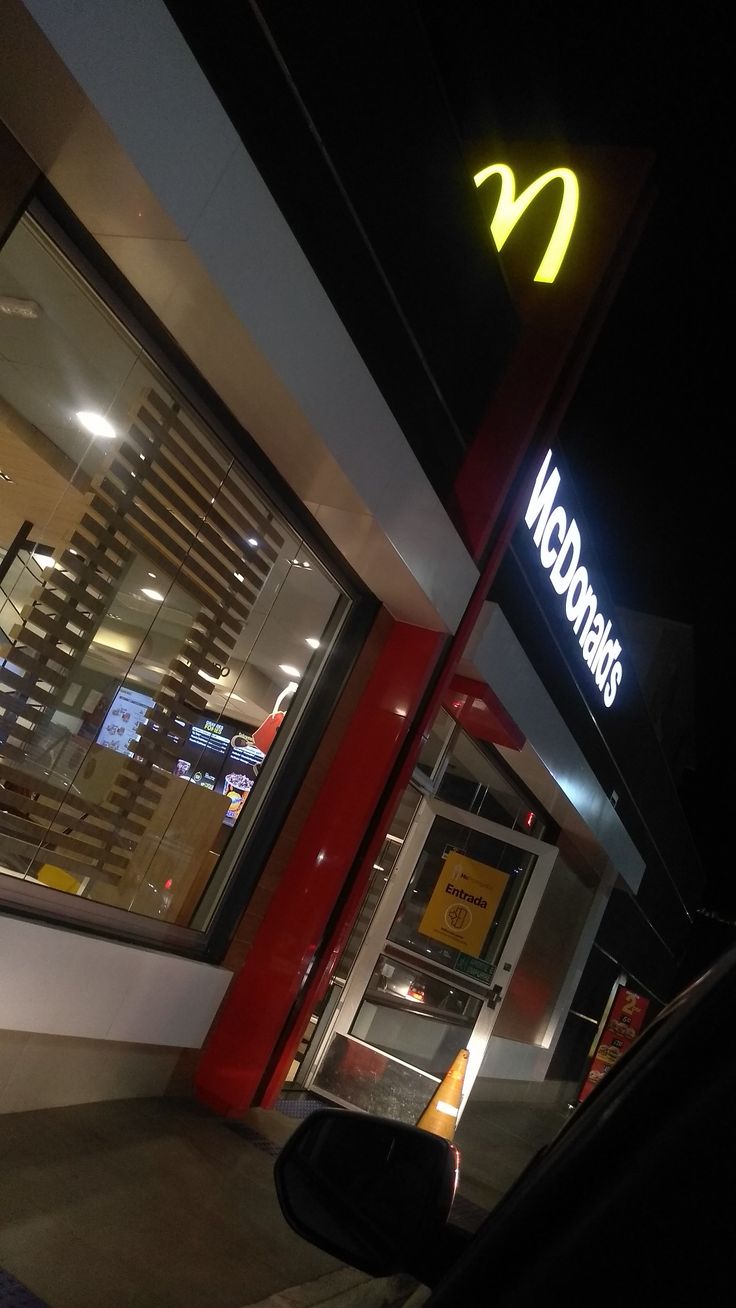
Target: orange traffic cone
(440,1115)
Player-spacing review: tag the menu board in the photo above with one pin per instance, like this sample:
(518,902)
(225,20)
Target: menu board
(124,720)
(220,755)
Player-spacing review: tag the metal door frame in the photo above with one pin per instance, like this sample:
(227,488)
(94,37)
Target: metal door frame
(376,936)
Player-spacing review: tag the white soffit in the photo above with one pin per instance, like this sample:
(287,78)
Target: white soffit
(499,660)
(145,155)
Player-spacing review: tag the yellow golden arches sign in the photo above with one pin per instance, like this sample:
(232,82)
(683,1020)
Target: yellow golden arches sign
(510,207)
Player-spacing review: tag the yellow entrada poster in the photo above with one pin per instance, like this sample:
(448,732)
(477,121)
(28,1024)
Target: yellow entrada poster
(463,903)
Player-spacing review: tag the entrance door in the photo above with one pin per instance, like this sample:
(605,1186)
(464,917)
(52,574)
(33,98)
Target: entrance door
(435,963)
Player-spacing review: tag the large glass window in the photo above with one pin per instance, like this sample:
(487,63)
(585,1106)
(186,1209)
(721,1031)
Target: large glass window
(159,621)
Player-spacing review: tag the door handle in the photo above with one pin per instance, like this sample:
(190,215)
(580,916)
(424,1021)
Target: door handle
(495,996)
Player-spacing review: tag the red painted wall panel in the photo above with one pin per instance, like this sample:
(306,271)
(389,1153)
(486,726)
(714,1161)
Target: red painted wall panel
(262,995)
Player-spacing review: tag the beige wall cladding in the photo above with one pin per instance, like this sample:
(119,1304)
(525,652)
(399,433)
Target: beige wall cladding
(43,1071)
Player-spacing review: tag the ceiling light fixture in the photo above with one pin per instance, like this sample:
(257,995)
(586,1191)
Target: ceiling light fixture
(290,672)
(252,541)
(152,594)
(95,423)
(312,642)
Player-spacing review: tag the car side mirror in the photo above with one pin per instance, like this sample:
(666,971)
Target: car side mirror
(372,1192)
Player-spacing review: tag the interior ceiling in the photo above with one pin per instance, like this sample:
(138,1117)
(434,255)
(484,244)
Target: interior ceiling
(74,356)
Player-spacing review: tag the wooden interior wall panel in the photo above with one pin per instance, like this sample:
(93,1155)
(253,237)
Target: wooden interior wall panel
(169,493)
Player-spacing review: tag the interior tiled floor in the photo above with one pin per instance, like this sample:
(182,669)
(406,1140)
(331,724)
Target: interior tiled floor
(156,1203)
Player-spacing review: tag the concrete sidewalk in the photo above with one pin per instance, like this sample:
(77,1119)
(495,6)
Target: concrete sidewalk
(157,1203)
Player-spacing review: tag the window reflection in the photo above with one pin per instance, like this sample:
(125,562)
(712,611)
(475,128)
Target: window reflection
(158,619)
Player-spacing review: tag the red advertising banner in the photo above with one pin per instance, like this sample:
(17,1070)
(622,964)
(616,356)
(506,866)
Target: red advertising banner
(623,1024)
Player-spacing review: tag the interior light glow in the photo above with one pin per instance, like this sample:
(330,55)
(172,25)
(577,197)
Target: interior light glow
(252,541)
(238,576)
(12,307)
(152,594)
(95,423)
(290,672)
(44,560)
(312,642)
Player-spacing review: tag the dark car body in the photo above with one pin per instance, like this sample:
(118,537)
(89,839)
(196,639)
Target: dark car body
(632,1202)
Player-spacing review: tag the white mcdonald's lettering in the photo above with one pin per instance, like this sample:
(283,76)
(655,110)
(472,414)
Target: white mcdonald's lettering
(510,207)
(559,544)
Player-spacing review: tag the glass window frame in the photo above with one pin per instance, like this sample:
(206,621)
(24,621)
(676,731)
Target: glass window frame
(346,633)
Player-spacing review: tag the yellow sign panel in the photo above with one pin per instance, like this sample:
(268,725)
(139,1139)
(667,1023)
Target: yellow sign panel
(463,903)
(511,206)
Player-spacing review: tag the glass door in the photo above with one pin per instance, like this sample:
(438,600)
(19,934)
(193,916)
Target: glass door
(435,963)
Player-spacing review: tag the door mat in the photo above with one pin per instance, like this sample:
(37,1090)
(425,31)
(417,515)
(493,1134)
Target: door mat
(299,1104)
(15,1295)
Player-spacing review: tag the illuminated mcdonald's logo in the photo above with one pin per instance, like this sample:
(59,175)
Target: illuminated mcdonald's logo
(510,208)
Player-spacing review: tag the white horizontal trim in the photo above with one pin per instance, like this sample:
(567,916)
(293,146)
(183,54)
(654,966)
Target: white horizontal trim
(59,982)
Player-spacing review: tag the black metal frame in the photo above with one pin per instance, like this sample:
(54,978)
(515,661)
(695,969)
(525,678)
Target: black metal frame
(55,218)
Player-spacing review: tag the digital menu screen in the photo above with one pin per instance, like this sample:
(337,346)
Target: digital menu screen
(124,720)
(220,756)
(218,753)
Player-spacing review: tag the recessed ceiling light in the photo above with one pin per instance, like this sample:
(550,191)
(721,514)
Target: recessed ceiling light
(152,594)
(290,672)
(95,423)
(306,564)
(252,541)
(312,642)
(238,576)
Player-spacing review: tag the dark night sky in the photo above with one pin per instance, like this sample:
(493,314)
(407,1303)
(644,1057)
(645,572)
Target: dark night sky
(647,431)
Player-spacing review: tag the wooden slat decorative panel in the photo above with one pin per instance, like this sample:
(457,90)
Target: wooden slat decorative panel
(169,492)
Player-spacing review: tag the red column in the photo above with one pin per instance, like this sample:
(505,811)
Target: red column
(262,995)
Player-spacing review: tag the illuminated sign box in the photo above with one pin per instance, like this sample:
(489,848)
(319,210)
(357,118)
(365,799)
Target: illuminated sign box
(558,541)
(511,207)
